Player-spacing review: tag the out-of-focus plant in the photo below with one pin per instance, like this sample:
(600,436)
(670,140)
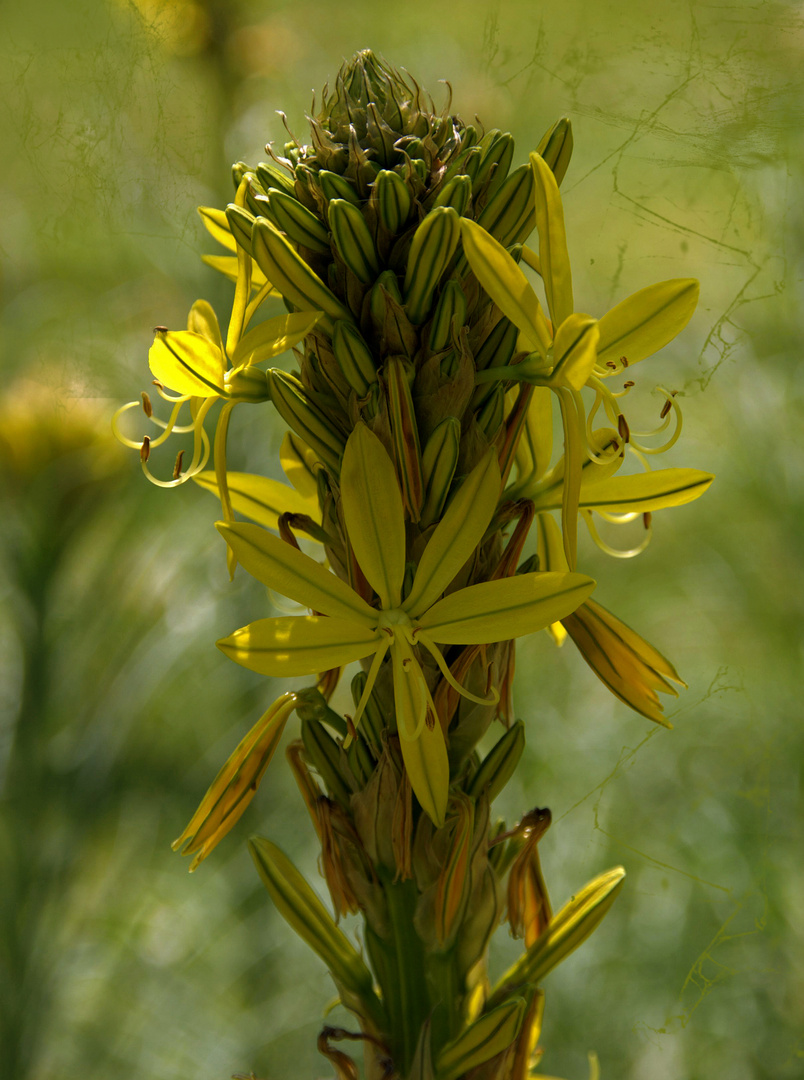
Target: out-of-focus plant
(420,455)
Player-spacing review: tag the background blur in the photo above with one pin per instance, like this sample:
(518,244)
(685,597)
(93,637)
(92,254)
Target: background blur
(117,119)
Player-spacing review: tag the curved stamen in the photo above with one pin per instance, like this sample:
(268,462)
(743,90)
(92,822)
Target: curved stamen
(674,405)
(437,655)
(616,553)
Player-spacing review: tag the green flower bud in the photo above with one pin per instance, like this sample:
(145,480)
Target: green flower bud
(510,214)
(499,764)
(556,148)
(241,224)
(456,193)
(439,460)
(324,754)
(393,200)
(273,177)
(305,418)
(434,244)
(451,306)
(300,225)
(353,240)
(354,357)
(335,186)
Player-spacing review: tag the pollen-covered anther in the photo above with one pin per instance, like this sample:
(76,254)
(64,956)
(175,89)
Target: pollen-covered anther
(627,385)
(145,449)
(161,330)
(147,408)
(177,466)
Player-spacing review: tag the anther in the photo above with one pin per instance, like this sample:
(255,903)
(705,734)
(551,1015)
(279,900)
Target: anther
(622,427)
(629,384)
(146,405)
(646,519)
(160,330)
(624,361)
(145,449)
(177,466)
(611,364)
(667,405)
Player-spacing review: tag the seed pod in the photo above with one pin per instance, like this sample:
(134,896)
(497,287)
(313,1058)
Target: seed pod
(325,755)
(300,225)
(439,461)
(431,251)
(456,193)
(451,304)
(556,147)
(352,238)
(393,200)
(354,357)
(499,764)
(291,275)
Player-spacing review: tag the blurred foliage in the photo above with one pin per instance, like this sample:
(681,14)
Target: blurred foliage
(118,119)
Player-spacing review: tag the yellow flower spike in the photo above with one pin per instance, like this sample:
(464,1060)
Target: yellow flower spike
(553,255)
(375,519)
(631,668)
(236,784)
(506,284)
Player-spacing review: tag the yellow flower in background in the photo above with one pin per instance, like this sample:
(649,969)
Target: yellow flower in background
(347,628)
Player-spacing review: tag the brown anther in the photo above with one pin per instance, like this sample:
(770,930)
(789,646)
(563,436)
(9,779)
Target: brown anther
(177,466)
(145,449)
(624,361)
(350,727)
(161,330)
(611,364)
(629,384)
(622,427)
(646,519)
(285,531)
(146,405)
(665,409)
(159,385)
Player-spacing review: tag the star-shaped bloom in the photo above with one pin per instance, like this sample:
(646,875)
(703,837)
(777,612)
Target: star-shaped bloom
(575,350)
(347,628)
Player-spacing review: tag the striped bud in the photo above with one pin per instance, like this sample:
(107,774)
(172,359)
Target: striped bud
(324,754)
(495,163)
(372,723)
(510,214)
(405,433)
(431,251)
(451,305)
(305,418)
(335,186)
(456,193)
(556,147)
(388,316)
(499,764)
(492,414)
(354,357)
(439,461)
(568,929)
(353,240)
(247,383)
(271,176)
(241,225)
(291,275)
(498,348)
(360,761)
(491,1034)
(300,225)
(393,200)
(300,906)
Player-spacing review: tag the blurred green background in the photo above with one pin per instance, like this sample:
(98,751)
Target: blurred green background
(117,119)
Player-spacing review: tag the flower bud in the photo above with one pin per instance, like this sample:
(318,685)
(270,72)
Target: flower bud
(434,243)
(325,755)
(439,460)
(352,239)
(393,200)
(305,418)
(510,214)
(499,764)
(556,147)
(456,193)
(354,357)
(449,317)
(491,1034)
(300,225)
(335,186)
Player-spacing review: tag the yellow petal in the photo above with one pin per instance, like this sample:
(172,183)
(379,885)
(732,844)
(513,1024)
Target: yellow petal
(203,320)
(553,255)
(299,645)
(274,336)
(372,509)
(646,321)
(503,609)
(188,363)
(457,534)
(284,568)
(228,266)
(424,751)
(506,284)
(217,225)
(575,351)
(639,493)
(259,497)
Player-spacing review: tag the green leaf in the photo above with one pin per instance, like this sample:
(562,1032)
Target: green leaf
(504,609)
(372,509)
(274,336)
(639,493)
(299,645)
(260,498)
(553,254)
(301,907)
(188,363)
(284,568)
(457,534)
(505,284)
(645,322)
